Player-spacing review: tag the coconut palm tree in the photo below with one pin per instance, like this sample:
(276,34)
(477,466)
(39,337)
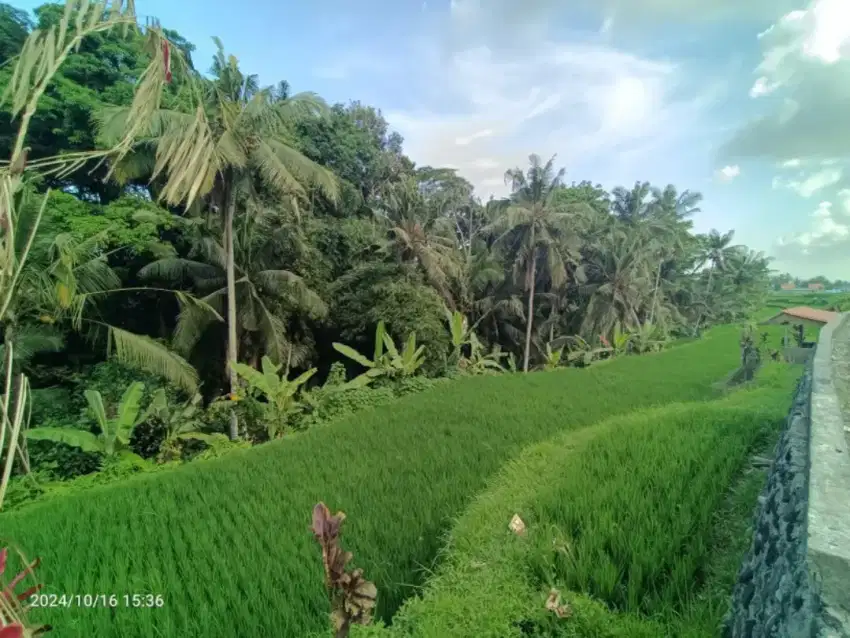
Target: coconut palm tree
(668,227)
(617,266)
(61,287)
(632,206)
(265,293)
(533,230)
(716,249)
(675,204)
(236,138)
(418,234)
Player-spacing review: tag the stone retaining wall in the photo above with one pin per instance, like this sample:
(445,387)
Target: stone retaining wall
(795,580)
(774,595)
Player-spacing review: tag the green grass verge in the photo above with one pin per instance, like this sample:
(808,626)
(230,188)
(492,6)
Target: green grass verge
(226,542)
(633,515)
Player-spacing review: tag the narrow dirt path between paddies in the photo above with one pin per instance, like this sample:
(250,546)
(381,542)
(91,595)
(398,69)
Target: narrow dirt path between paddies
(227,542)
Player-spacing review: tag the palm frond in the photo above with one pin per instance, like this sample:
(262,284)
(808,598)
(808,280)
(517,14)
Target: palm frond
(294,288)
(146,354)
(176,269)
(29,340)
(187,155)
(303,169)
(194,319)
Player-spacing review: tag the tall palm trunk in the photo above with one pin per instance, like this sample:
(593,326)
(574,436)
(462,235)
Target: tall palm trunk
(230,269)
(531,276)
(655,293)
(707,293)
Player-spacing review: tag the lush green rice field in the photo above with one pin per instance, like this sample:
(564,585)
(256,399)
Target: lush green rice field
(621,518)
(227,545)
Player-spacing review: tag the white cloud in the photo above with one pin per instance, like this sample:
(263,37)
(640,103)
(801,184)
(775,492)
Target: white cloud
(821,34)
(825,231)
(762,86)
(489,104)
(508,13)
(812,184)
(465,141)
(844,198)
(698,10)
(823,247)
(792,163)
(728,173)
(806,58)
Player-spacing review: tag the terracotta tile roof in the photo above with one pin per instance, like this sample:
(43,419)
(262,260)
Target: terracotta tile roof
(811,314)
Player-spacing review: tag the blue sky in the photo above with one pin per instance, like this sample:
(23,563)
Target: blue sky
(749,106)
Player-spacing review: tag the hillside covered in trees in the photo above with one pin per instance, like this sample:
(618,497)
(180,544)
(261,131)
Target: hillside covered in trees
(333,229)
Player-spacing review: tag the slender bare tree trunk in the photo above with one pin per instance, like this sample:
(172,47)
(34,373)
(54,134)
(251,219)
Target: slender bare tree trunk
(707,293)
(655,293)
(230,267)
(469,247)
(532,272)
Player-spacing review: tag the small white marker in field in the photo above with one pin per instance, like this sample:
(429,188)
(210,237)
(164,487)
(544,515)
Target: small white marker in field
(517,526)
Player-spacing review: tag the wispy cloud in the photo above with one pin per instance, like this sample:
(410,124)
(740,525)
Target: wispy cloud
(811,184)
(728,173)
(485,108)
(805,62)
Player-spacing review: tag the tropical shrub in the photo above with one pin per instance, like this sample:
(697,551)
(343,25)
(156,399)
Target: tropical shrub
(467,352)
(115,429)
(387,360)
(282,401)
(168,426)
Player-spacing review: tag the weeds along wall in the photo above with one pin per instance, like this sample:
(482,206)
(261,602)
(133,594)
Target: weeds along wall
(226,542)
(619,518)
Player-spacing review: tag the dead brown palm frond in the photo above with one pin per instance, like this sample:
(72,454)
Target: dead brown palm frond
(188,157)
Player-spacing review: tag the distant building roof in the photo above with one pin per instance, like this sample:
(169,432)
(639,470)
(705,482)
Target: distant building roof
(805,313)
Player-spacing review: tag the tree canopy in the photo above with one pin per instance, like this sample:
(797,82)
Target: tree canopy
(330,227)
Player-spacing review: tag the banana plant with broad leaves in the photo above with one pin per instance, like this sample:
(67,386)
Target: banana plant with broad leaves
(282,394)
(621,342)
(387,360)
(182,422)
(463,337)
(648,338)
(552,357)
(115,429)
(579,351)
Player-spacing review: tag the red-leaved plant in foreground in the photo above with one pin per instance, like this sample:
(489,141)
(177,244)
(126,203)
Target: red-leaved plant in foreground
(13,611)
(352,596)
